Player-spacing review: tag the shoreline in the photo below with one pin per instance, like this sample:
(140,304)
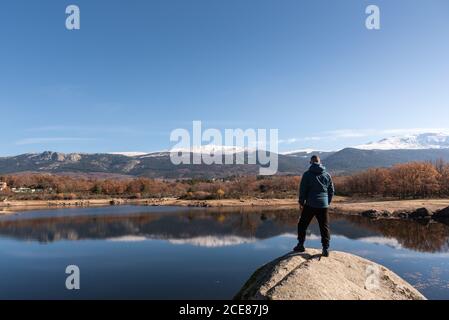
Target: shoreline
(28,205)
(341,205)
(356,207)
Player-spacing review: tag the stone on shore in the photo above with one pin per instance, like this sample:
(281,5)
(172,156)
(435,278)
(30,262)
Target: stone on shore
(342,276)
(442,214)
(376,214)
(421,213)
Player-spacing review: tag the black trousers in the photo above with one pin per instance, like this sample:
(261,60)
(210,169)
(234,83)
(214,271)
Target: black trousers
(322,215)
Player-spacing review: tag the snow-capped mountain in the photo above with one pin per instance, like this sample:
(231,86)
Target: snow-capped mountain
(212,149)
(130,154)
(306,151)
(203,149)
(384,153)
(410,142)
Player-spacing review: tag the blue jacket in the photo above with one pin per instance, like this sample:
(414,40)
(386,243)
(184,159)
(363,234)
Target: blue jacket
(316,189)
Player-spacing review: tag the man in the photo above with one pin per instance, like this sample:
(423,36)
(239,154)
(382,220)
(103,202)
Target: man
(315,196)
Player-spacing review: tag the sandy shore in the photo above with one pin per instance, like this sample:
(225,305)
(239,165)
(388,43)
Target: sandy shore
(340,205)
(14,206)
(391,206)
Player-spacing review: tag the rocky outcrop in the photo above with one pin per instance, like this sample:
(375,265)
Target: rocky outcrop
(376,214)
(115,202)
(441,214)
(342,276)
(421,213)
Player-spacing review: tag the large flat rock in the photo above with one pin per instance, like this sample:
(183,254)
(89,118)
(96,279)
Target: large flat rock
(342,276)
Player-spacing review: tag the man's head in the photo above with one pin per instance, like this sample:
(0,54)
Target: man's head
(315,159)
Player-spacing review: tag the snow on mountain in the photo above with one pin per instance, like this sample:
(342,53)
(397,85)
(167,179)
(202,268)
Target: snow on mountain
(212,149)
(411,142)
(307,151)
(155,154)
(130,154)
(406,142)
(203,149)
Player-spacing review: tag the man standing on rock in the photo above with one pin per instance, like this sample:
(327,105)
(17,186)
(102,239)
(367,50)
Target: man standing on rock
(315,196)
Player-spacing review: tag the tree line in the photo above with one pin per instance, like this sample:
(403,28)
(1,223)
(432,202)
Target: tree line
(403,181)
(59,187)
(410,180)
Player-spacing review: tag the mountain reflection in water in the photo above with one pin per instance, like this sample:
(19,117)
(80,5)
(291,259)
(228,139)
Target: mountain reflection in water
(211,227)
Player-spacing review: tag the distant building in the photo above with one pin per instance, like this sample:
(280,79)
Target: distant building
(26,190)
(22,190)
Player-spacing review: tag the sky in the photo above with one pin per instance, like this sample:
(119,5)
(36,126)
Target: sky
(138,69)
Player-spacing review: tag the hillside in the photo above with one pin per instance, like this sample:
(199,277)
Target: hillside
(158,165)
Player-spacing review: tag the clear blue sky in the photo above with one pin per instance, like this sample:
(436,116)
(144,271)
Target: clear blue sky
(138,69)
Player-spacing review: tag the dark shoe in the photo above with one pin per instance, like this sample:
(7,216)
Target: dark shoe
(299,248)
(325,252)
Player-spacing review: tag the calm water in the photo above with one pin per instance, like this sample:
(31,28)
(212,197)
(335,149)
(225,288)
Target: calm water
(179,253)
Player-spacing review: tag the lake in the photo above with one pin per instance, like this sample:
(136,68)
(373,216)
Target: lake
(138,252)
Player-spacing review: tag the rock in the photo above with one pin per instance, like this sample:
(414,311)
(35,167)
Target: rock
(74,157)
(401,214)
(442,214)
(421,213)
(204,205)
(342,276)
(370,214)
(386,214)
(376,214)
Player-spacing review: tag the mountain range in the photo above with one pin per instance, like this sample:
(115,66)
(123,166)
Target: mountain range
(384,153)
(411,142)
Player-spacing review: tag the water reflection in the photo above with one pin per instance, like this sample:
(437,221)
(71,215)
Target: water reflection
(422,236)
(211,227)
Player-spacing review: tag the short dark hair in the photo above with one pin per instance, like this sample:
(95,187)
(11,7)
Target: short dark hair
(315,159)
